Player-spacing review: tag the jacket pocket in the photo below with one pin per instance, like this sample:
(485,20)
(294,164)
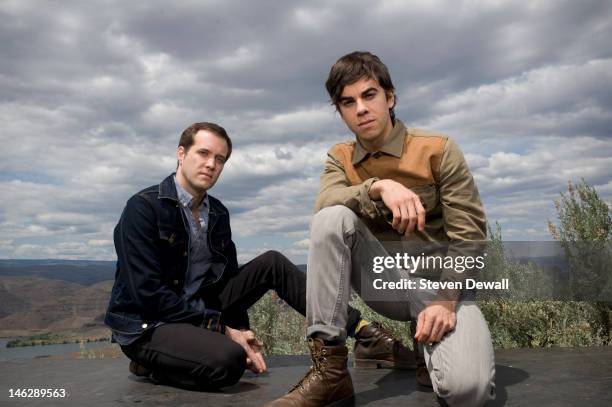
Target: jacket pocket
(171,236)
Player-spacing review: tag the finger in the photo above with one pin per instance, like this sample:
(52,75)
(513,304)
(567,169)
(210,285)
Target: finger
(256,359)
(436,328)
(450,324)
(445,328)
(256,344)
(248,335)
(255,341)
(404,220)
(419,326)
(253,363)
(420,212)
(396,216)
(412,218)
(260,363)
(251,366)
(426,331)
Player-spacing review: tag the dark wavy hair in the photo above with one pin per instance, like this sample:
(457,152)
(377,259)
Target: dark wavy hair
(354,66)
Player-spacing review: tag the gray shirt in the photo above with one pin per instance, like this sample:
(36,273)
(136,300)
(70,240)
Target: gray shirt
(199,251)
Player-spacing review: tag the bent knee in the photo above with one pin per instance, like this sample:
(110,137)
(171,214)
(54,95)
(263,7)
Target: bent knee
(227,367)
(272,257)
(461,390)
(333,219)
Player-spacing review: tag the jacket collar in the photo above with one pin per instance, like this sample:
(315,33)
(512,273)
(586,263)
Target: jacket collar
(394,146)
(167,190)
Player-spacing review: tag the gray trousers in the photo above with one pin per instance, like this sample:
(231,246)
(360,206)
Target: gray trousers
(461,366)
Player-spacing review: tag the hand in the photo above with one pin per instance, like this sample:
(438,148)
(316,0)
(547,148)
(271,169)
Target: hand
(435,321)
(408,212)
(252,347)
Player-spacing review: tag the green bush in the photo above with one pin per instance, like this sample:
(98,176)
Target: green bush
(513,324)
(536,324)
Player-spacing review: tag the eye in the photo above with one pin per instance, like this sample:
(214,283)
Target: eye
(347,103)
(220,160)
(370,95)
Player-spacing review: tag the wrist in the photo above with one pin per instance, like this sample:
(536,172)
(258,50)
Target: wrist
(450,305)
(376,189)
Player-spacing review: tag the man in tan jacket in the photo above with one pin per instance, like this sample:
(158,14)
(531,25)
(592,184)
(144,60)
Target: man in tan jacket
(391,191)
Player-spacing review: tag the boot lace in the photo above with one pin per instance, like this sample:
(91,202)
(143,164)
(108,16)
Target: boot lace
(317,370)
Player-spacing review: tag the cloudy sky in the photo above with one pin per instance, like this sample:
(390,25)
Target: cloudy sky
(94,96)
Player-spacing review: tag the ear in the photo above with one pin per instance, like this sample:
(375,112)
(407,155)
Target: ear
(180,154)
(390,99)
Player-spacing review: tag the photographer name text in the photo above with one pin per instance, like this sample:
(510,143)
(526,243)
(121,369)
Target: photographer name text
(423,284)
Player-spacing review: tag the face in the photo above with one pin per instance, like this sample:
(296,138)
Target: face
(364,107)
(200,166)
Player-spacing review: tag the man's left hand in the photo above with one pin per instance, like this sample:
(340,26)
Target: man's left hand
(251,345)
(435,321)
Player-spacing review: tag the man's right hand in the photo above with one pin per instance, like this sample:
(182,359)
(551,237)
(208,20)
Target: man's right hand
(251,345)
(408,212)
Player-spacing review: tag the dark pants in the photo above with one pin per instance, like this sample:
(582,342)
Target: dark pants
(187,356)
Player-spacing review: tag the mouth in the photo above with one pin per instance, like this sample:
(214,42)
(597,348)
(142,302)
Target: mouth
(206,175)
(366,123)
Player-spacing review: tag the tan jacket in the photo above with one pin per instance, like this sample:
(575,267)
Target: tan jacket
(429,164)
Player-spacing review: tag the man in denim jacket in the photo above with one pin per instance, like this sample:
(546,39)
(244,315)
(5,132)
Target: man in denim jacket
(178,307)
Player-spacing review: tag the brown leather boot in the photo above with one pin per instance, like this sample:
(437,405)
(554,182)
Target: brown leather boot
(327,382)
(375,347)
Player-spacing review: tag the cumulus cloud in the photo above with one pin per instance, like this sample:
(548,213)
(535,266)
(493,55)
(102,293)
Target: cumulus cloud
(95,97)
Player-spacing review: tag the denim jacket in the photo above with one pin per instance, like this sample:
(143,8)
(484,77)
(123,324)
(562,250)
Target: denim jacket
(152,244)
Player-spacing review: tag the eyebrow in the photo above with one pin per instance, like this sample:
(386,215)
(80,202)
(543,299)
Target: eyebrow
(368,90)
(349,98)
(205,150)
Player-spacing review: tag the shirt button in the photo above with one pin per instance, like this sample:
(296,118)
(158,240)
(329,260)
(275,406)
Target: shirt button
(175,282)
(144,326)
(376,154)
(184,254)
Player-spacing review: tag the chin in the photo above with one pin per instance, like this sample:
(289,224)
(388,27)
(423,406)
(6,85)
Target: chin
(369,137)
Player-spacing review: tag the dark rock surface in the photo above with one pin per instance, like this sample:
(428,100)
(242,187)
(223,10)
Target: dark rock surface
(525,377)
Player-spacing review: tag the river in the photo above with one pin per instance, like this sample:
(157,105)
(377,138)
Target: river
(30,352)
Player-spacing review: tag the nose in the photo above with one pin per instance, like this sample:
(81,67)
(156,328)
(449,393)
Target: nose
(210,163)
(361,107)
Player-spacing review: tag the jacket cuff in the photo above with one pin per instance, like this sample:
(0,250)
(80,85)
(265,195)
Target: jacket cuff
(212,321)
(368,205)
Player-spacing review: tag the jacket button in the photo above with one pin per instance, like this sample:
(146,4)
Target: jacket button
(175,282)
(184,254)
(144,326)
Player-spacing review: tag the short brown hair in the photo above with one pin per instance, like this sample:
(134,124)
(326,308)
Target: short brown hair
(354,66)
(186,140)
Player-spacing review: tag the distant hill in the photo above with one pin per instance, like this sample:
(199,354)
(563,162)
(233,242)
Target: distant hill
(54,295)
(84,272)
(32,304)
